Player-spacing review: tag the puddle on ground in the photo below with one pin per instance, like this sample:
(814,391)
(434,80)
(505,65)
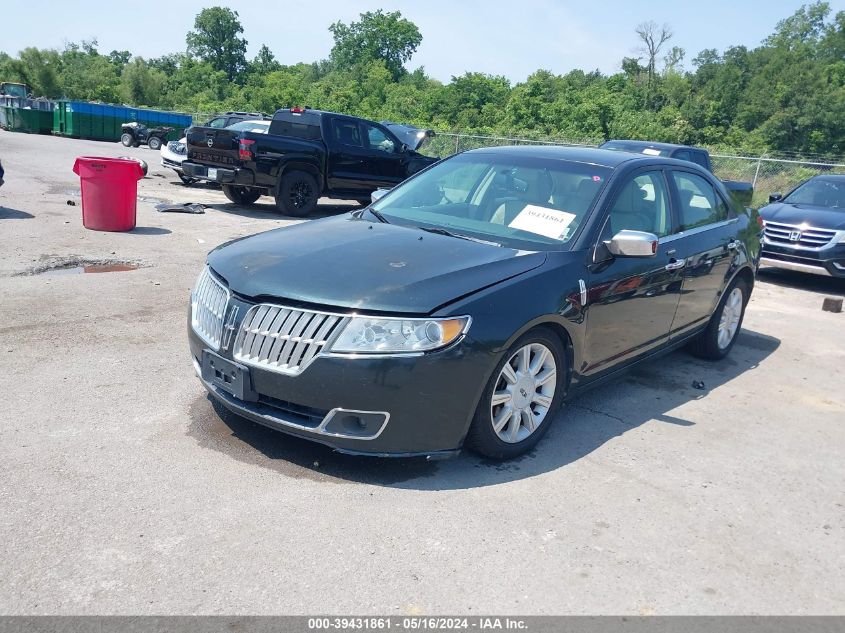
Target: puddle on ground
(92,268)
(216,428)
(81,266)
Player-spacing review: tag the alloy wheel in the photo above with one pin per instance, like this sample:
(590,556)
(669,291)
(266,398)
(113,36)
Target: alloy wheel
(523,393)
(300,193)
(729,320)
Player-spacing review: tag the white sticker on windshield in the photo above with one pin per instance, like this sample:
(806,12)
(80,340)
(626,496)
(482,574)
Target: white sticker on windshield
(543,221)
(651,152)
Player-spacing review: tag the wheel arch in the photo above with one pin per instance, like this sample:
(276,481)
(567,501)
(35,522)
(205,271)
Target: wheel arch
(561,329)
(309,168)
(746,274)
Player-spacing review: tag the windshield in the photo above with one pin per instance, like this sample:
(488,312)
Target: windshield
(258,127)
(14,90)
(521,202)
(819,192)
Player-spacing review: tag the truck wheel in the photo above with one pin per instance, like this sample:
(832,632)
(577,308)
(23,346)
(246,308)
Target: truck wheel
(298,194)
(154,143)
(241,195)
(127,139)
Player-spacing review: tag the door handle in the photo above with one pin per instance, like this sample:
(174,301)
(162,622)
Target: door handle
(676,264)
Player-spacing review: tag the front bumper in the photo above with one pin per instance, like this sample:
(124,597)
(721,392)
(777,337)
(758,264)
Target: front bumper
(827,262)
(412,405)
(225,175)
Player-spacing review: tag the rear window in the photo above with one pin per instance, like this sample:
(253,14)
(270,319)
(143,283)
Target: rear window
(304,126)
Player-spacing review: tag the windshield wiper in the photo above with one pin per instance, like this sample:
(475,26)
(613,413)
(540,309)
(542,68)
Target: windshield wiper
(378,215)
(441,231)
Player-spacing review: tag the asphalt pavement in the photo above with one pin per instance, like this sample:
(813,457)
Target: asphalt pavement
(125,491)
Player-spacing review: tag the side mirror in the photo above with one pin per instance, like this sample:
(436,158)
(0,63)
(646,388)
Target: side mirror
(633,244)
(403,148)
(378,194)
(776,197)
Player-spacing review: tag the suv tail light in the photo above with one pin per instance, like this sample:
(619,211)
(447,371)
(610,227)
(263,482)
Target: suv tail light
(245,149)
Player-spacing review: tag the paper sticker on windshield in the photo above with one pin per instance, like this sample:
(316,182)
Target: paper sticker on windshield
(651,152)
(543,221)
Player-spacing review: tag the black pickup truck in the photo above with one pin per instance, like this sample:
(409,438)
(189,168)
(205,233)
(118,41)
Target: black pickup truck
(306,154)
(742,192)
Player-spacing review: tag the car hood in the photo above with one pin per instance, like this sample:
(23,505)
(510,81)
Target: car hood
(818,217)
(360,265)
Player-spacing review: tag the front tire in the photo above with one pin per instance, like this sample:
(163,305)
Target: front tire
(241,195)
(298,194)
(127,139)
(154,143)
(717,340)
(521,398)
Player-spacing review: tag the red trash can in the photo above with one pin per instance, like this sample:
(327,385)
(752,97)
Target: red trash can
(109,192)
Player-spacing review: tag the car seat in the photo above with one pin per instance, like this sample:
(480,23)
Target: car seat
(538,193)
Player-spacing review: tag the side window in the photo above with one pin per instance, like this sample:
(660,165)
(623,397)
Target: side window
(377,140)
(700,203)
(683,155)
(217,122)
(346,133)
(699,158)
(641,205)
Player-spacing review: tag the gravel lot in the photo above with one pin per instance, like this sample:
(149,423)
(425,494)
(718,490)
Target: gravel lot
(125,491)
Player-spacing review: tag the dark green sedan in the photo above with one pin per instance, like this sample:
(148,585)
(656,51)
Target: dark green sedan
(467,304)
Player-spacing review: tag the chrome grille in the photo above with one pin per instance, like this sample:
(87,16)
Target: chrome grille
(282,339)
(208,305)
(808,237)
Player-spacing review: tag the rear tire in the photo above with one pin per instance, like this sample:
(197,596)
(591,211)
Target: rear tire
(154,143)
(717,340)
(519,403)
(241,195)
(127,139)
(298,194)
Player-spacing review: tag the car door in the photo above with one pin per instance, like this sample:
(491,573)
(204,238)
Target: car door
(349,171)
(385,155)
(706,243)
(631,301)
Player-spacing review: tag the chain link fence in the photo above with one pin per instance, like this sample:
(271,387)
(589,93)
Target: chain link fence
(767,174)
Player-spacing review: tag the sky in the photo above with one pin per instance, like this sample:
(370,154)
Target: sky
(494,36)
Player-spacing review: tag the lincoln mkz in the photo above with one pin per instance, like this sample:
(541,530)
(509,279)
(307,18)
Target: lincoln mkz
(467,304)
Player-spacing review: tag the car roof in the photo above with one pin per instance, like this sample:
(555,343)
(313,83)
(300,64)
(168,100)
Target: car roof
(651,145)
(833,177)
(591,155)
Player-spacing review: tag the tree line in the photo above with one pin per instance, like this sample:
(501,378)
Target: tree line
(787,95)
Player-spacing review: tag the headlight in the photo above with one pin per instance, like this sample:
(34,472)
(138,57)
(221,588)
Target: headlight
(374,335)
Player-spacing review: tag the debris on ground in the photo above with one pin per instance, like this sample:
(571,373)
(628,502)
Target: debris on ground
(832,304)
(186,207)
(71,203)
(698,384)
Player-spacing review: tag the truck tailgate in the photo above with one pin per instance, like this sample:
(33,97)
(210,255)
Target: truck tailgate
(212,146)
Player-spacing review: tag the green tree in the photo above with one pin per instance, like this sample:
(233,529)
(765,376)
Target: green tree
(87,75)
(376,36)
(264,62)
(216,40)
(142,85)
